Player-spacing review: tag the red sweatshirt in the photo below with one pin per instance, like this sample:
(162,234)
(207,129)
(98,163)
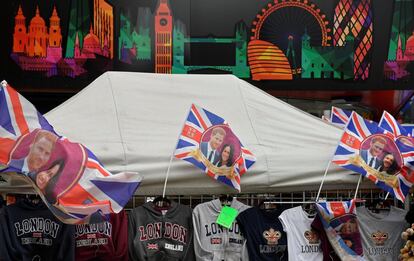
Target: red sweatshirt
(103,241)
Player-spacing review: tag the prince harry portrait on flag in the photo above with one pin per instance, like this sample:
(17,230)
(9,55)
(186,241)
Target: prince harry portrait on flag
(210,148)
(372,155)
(52,164)
(39,152)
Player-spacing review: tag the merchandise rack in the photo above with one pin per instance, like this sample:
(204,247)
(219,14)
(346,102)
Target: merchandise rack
(289,199)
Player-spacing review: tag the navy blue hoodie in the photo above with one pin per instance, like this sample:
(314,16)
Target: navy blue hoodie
(29,231)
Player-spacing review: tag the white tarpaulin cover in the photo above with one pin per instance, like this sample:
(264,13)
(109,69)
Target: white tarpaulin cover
(132,121)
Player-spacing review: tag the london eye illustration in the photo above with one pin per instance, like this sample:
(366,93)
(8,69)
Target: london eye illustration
(277,31)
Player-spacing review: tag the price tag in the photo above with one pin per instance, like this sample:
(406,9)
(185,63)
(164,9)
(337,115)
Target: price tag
(227,216)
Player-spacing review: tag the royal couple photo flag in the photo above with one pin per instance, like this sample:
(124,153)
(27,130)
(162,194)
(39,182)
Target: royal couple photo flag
(68,176)
(377,154)
(341,227)
(208,142)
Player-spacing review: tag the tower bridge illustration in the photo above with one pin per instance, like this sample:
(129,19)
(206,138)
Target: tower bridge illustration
(237,44)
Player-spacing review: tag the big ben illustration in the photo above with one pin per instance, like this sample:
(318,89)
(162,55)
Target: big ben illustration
(163,38)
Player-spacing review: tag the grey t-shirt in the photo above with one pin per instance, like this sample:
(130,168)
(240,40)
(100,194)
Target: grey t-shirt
(381,233)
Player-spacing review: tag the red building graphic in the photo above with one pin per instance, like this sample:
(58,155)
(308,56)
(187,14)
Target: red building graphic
(19,35)
(397,69)
(37,41)
(103,26)
(91,47)
(55,35)
(38,48)
(163,38)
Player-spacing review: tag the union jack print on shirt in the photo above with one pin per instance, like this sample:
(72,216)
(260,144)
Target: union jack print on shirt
(194,141)
(340,116)
(83,190)
(349,155)
(152,246)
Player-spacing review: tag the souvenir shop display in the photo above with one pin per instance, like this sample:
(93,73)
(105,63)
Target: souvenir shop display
(381,233)
(264,234)
(161,232)
(107,240)
(213,241)
(29,231)
(303,242)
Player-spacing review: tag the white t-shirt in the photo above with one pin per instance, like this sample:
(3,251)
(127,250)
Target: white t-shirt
(303,242)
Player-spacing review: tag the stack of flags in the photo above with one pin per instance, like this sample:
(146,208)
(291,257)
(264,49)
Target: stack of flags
(382,152)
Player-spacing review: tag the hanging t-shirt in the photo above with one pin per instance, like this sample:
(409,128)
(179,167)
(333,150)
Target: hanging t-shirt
(328,252)
(303,241)
(106,240)
(264,233)
(381,233)
(156,235)
(29,231)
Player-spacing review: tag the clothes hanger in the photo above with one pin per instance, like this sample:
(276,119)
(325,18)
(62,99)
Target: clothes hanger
(161,203)
(309,208)
(33,198)
(226,199)
(379,205)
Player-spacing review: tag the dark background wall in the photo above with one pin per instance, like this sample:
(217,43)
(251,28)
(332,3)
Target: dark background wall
(202,18)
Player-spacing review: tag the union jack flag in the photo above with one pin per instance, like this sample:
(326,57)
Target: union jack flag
(405,144)
(341,227)
(389,123)
(82,190)
(195,145)
(339,116)
(350,154)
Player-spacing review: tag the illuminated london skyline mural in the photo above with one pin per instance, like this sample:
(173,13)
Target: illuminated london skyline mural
(401,42)
(320,41)
(267,52)
(38,46)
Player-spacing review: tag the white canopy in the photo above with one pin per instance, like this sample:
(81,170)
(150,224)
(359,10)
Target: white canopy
(132,121)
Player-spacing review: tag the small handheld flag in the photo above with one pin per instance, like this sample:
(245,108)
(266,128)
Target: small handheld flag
(208,142)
